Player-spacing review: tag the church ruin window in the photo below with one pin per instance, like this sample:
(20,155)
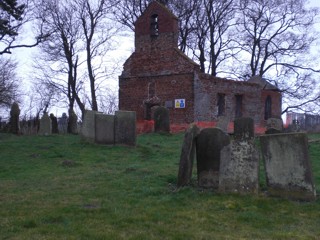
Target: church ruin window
(238,108)
(221,104)
(267,108)
(154,27)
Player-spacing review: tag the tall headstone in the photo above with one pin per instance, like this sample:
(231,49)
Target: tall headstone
(54,123)
(14,118)
(88,132)
(73,123)
(104,129)
(45,125)
(288,167)
(209,144)
(239,167)
(63,123)
(187,156)
(161,120)
(125,127)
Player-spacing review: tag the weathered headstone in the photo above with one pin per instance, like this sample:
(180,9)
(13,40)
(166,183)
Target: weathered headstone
(161,120)
(274,125)
(88,132)
(104,127)
(45,125)
(287,164)
(125,127)
(54,124)
(73,123)
(14,118)
(63,123)
(243,128)
(209,143)
(187,155)
(223,123)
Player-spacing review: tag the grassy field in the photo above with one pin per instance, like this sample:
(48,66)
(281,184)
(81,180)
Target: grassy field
(57,187)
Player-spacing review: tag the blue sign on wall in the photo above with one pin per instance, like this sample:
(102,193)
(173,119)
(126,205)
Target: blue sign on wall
(179,103)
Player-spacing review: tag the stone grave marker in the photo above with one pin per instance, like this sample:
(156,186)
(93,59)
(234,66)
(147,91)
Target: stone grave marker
(187,155)
(88,132)
(223,123)
(209,143)
(161,120)
(54,124)
(104,127)
(73,123)
(125,127)
(14,118)
(274,125)
(239,166)
(45,125)
(288,167)
(243,128)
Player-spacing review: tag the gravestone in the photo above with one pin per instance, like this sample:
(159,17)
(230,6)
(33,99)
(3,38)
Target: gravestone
(161,120)
(88,132)
(104,128)
(63,123)
(73,123)
(223,123)
(54,124)
(14,118)
(209,143)
(187,155)
(239,169)
(125,127)
(274,125)
(243,128)
(45,125)
(288,167)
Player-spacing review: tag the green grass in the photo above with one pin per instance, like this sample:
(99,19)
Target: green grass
(57,187)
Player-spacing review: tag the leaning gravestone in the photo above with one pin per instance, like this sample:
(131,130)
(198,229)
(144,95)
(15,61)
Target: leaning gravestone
(287,164)
(45,125)
(209,143)
(125,127)
(104,129)
(161,120)
(239,167)
(274,125)
(88,132)
(187,156)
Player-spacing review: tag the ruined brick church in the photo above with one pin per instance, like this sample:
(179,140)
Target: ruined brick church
(159,74)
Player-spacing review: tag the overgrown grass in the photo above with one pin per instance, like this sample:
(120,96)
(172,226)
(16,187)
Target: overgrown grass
(57,187)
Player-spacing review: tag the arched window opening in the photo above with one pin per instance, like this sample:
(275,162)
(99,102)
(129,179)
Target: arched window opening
(267,108)
(154,27)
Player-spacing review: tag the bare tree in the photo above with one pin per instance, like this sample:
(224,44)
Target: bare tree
(9,83)
(276,36)
(13,17)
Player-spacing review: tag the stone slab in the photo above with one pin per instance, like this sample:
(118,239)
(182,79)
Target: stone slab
(45,125)
(104,127)
(243,128)
(88,132)
(239,168)
(209,143)
(125,128)
(288,167)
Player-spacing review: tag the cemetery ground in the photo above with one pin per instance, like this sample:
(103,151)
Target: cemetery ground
(58,187)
